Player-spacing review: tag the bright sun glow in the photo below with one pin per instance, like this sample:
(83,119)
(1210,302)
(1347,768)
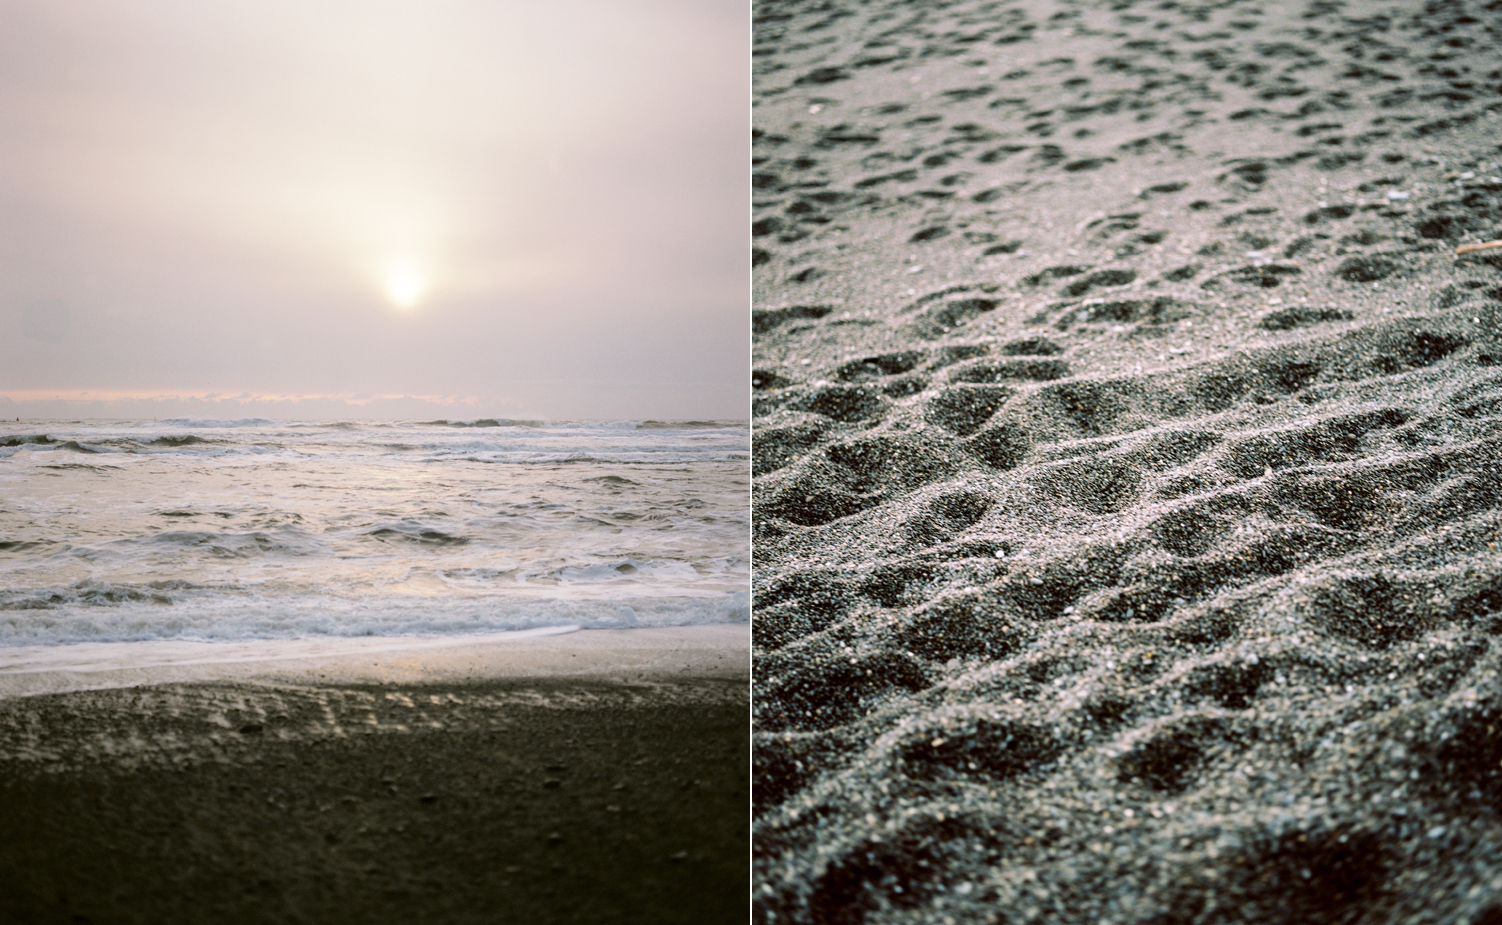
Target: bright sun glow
(405,286)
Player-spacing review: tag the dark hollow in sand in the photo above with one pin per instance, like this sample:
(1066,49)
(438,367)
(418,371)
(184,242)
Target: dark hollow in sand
(525,801)
(1128,462)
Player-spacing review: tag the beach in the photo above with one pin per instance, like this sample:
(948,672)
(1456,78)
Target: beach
(1126,438)
(358,671)
(595,776)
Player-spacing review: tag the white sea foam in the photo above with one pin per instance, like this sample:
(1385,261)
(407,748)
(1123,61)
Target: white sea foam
(207,616)
(263,530)
(111,656)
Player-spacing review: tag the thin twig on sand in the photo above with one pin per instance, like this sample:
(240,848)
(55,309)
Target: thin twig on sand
(1467,248)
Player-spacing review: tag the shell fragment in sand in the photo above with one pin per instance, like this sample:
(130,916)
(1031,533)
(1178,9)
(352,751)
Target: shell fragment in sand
(1467,248)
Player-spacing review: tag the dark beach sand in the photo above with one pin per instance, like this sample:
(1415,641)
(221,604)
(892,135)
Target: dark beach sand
(1128,462)
(506,789)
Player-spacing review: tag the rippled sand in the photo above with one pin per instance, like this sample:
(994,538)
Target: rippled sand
(1127,472)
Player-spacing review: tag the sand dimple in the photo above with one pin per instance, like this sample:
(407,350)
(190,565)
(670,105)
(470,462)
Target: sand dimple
(1128,463)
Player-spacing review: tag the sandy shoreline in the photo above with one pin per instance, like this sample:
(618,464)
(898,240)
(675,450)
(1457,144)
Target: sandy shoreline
(1127,498)
(714,650)
(591,776)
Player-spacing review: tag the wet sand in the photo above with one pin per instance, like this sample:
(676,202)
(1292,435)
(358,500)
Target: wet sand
(561,779)
(1126,447)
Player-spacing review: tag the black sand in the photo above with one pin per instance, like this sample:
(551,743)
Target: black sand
(1127,440)
(552,800)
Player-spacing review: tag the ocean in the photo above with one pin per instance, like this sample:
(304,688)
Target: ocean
(228,531)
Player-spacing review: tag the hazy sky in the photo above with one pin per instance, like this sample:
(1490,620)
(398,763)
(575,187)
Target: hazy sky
(514,206)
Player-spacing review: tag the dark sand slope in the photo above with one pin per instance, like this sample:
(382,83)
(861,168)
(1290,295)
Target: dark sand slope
(1128,453)
(520,800)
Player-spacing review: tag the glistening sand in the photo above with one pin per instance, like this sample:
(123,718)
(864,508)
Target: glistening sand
(1127,462)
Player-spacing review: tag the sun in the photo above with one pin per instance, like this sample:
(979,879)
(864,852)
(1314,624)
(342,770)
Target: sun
(405,286)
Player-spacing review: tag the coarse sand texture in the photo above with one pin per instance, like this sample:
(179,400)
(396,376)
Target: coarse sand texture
(1128,462)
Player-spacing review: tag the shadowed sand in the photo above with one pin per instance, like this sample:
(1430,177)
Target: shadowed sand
(1127,483)
(593,776)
